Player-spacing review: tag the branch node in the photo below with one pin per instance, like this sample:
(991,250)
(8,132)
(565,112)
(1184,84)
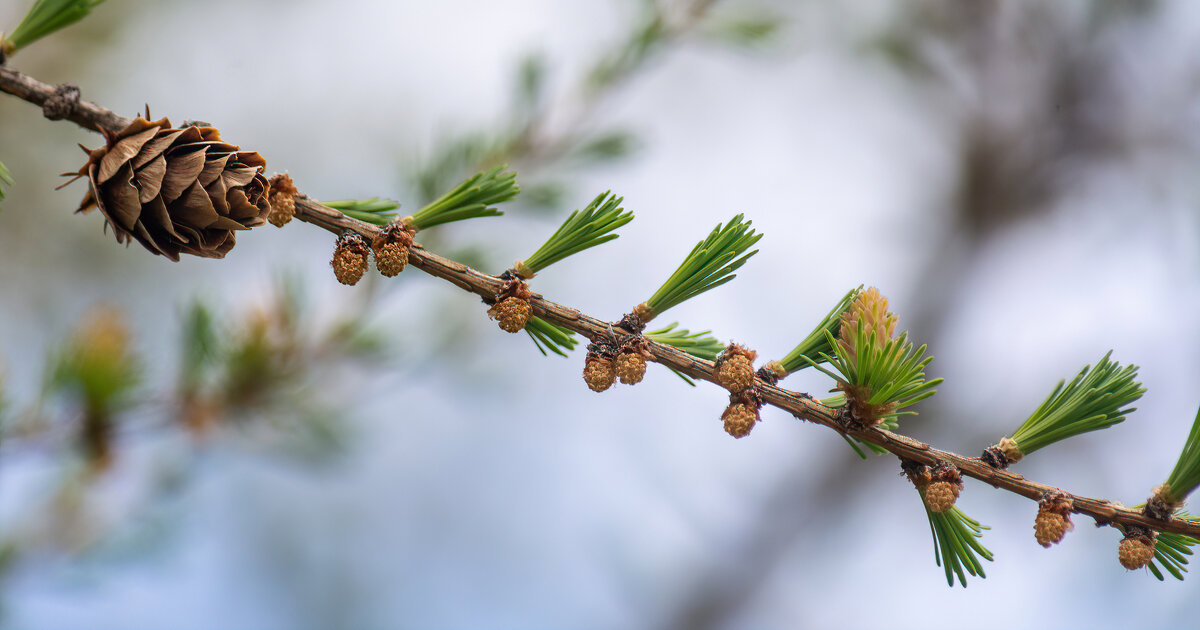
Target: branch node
(632,322)
(993,456)
(1003,454)
(62,103)
(771,373)
(1158,507)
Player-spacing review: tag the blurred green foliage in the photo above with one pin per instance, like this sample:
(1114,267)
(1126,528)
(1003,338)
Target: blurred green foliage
(44,18)
(6,180)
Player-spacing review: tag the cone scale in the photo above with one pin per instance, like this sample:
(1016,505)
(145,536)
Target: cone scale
(175,190)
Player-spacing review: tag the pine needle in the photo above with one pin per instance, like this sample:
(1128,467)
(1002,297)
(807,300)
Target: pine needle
(5,179)
(1186,474)
(44,18)
(892,371)
(956,546)
(547,336)
(817,342)
(375,210)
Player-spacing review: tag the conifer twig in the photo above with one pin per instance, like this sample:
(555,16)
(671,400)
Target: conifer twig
(800,405)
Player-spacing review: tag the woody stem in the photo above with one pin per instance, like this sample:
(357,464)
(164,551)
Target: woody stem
(802,406)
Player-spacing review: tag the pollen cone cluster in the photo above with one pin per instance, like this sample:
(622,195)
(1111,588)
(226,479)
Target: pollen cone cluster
(1136,550)
(599,372)
(739,419)
(175,190)
(631,359)
(940,496)
(1053,520)
(511,314)
(735,368)
(391,248)
(869,310)
(1049,528)
(631,368)
(350,258)
(512,309)
(283,200)
(944,487)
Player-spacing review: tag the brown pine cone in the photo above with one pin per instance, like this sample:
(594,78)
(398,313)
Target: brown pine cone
(175,190)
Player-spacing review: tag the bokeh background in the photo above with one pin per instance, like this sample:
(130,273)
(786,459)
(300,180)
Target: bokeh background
(1018,177)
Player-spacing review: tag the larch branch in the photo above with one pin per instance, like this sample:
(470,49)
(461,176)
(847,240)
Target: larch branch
(802,406)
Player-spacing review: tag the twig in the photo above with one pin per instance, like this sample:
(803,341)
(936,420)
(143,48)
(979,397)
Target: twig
(84,113)
(802,406)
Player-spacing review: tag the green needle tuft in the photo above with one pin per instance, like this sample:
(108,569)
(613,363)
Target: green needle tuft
(470,199)
(817,342)
(585,228)
(710,264)
(5,179)
(956,546)
(547,336)
(374,210)
(1095,399)
(1186,475)
(1172,551)
(700,345)
(886,377)
(44,18)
